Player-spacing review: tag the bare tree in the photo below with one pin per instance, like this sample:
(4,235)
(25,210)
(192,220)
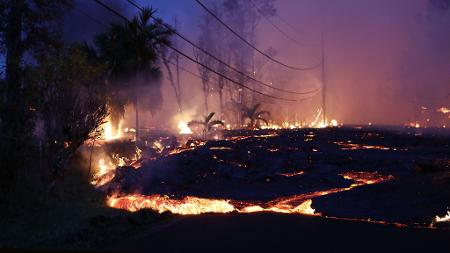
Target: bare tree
(171,62)
(204,73)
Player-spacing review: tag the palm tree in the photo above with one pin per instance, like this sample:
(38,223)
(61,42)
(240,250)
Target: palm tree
(130,52)
(254,115)
(207,124)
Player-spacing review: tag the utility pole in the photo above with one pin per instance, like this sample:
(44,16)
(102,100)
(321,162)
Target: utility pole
(324,92)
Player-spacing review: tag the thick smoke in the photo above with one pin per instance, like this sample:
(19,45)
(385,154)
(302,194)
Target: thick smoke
(385,60)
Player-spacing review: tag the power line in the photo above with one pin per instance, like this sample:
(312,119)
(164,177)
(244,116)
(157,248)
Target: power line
(288,24)
(112,11)
(250,45)
(91,17)
(201,64)
(199,77)
(285,34)
(185,70)
(220,60)
(227,78)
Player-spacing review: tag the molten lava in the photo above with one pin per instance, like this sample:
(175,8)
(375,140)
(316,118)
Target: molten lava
(292,174)
(185,206)
(297,204)
(354,146)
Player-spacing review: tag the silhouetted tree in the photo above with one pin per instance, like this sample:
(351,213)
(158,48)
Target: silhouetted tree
(71,106)
(171,61)
(130,52)
(30,28)
(254,115)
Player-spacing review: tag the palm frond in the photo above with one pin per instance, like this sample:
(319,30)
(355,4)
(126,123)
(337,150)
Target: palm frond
(263,112)
(209,117)
(214,123)
(263,120)
(217,122)
(255,108)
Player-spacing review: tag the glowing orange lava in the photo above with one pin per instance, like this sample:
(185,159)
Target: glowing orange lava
(354,146)
(293,174)
(299,204)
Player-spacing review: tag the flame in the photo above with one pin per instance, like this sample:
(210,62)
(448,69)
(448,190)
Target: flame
(106,167)
(194,205)
(445,218)
(444,110)
(104,173)
(414,124)
(184,128)
(334,123)
(185,206)
(108,130)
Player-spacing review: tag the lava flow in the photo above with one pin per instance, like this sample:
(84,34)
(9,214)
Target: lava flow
(297,204)
(354,146)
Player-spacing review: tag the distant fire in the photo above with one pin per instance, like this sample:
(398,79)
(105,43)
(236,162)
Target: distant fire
(445,218)
(444,110)
(292,174)
(354,146)
(184,128)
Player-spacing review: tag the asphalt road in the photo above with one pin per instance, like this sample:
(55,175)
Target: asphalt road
(267,232)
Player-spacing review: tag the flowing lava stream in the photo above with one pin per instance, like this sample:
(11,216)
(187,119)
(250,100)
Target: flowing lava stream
(297,204)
